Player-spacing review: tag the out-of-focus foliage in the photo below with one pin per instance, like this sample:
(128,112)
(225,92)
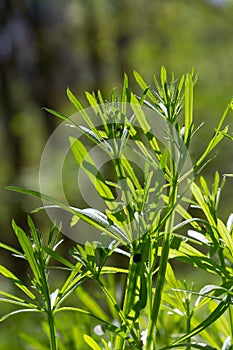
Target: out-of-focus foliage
(87,44)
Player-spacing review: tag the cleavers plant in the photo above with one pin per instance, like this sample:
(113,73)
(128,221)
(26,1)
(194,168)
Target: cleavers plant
(137,227)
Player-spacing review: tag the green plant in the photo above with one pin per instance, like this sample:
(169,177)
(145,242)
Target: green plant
(150,236)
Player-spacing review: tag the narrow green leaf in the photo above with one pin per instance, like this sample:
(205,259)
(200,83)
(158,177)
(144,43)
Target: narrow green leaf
(124,94)
(216,138)
(85,161)
(80,109)
(108,326)
(57,114)
(129,169)
(201,201)
(74,278)
(224,234)
(201,346)
(7,273)
(96,107)
(100,97)
(140,115)
(188,111)
(89,215)
(13,250)
(35,235)
(3,318)
(218,311)
(163,76)
(11,296)
(28,250)
(59,257)
(144,85)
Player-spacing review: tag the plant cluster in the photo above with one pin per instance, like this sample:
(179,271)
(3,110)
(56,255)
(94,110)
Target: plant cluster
(155,309)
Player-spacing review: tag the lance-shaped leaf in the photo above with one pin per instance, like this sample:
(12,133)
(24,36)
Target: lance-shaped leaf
(89,215)
(17,282)
(218,311)
(87,164)
(28,250)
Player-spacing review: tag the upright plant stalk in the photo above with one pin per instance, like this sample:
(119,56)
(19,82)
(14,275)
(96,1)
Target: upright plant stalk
(160,282)
(52,332)
(132,275)
(48,305)
(165,249)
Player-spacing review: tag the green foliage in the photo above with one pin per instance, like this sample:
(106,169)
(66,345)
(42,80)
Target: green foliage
(153,298)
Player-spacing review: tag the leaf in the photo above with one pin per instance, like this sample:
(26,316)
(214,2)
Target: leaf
(91,342)
(89,215)
(188,112)
(57,114)
(225,235)
(201,346)
(124,94)
(146,128)
(80,108)
(28,250)
(88,165)
(13,250)
(206,290)
(3,318)
(7,273)
(35,236)
(218,311)
(163,76)
(73,280)
(96,107)
(143,85)
(11,296)
(198,236)
(59,257)
(53,298)
(217,137)
(201,201)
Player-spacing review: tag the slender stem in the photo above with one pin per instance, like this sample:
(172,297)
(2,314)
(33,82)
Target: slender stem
(222,262)
(150,343)
(129,296)
(48,306)
(159,286)
(188,323)
(52,332)
(231,321)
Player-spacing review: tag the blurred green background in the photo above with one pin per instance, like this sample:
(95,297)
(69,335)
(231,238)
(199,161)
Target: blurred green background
(47,45)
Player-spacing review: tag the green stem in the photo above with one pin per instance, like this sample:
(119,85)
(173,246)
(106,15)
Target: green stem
(48,307)
(231,321)
(188,324)
(52,333)
(129,296)
(159,289)
(126,195)
(150,344)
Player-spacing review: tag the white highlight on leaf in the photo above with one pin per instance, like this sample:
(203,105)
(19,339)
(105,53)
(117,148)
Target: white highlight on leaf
(53,297)
(198,236)
(144,336)
(230,222)
(98,330)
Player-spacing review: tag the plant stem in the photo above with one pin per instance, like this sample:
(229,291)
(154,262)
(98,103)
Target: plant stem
(52,333)
(129,296)
(159,285)
(150,345)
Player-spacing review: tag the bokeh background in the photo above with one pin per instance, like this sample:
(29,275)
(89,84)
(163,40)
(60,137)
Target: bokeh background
(47,45)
